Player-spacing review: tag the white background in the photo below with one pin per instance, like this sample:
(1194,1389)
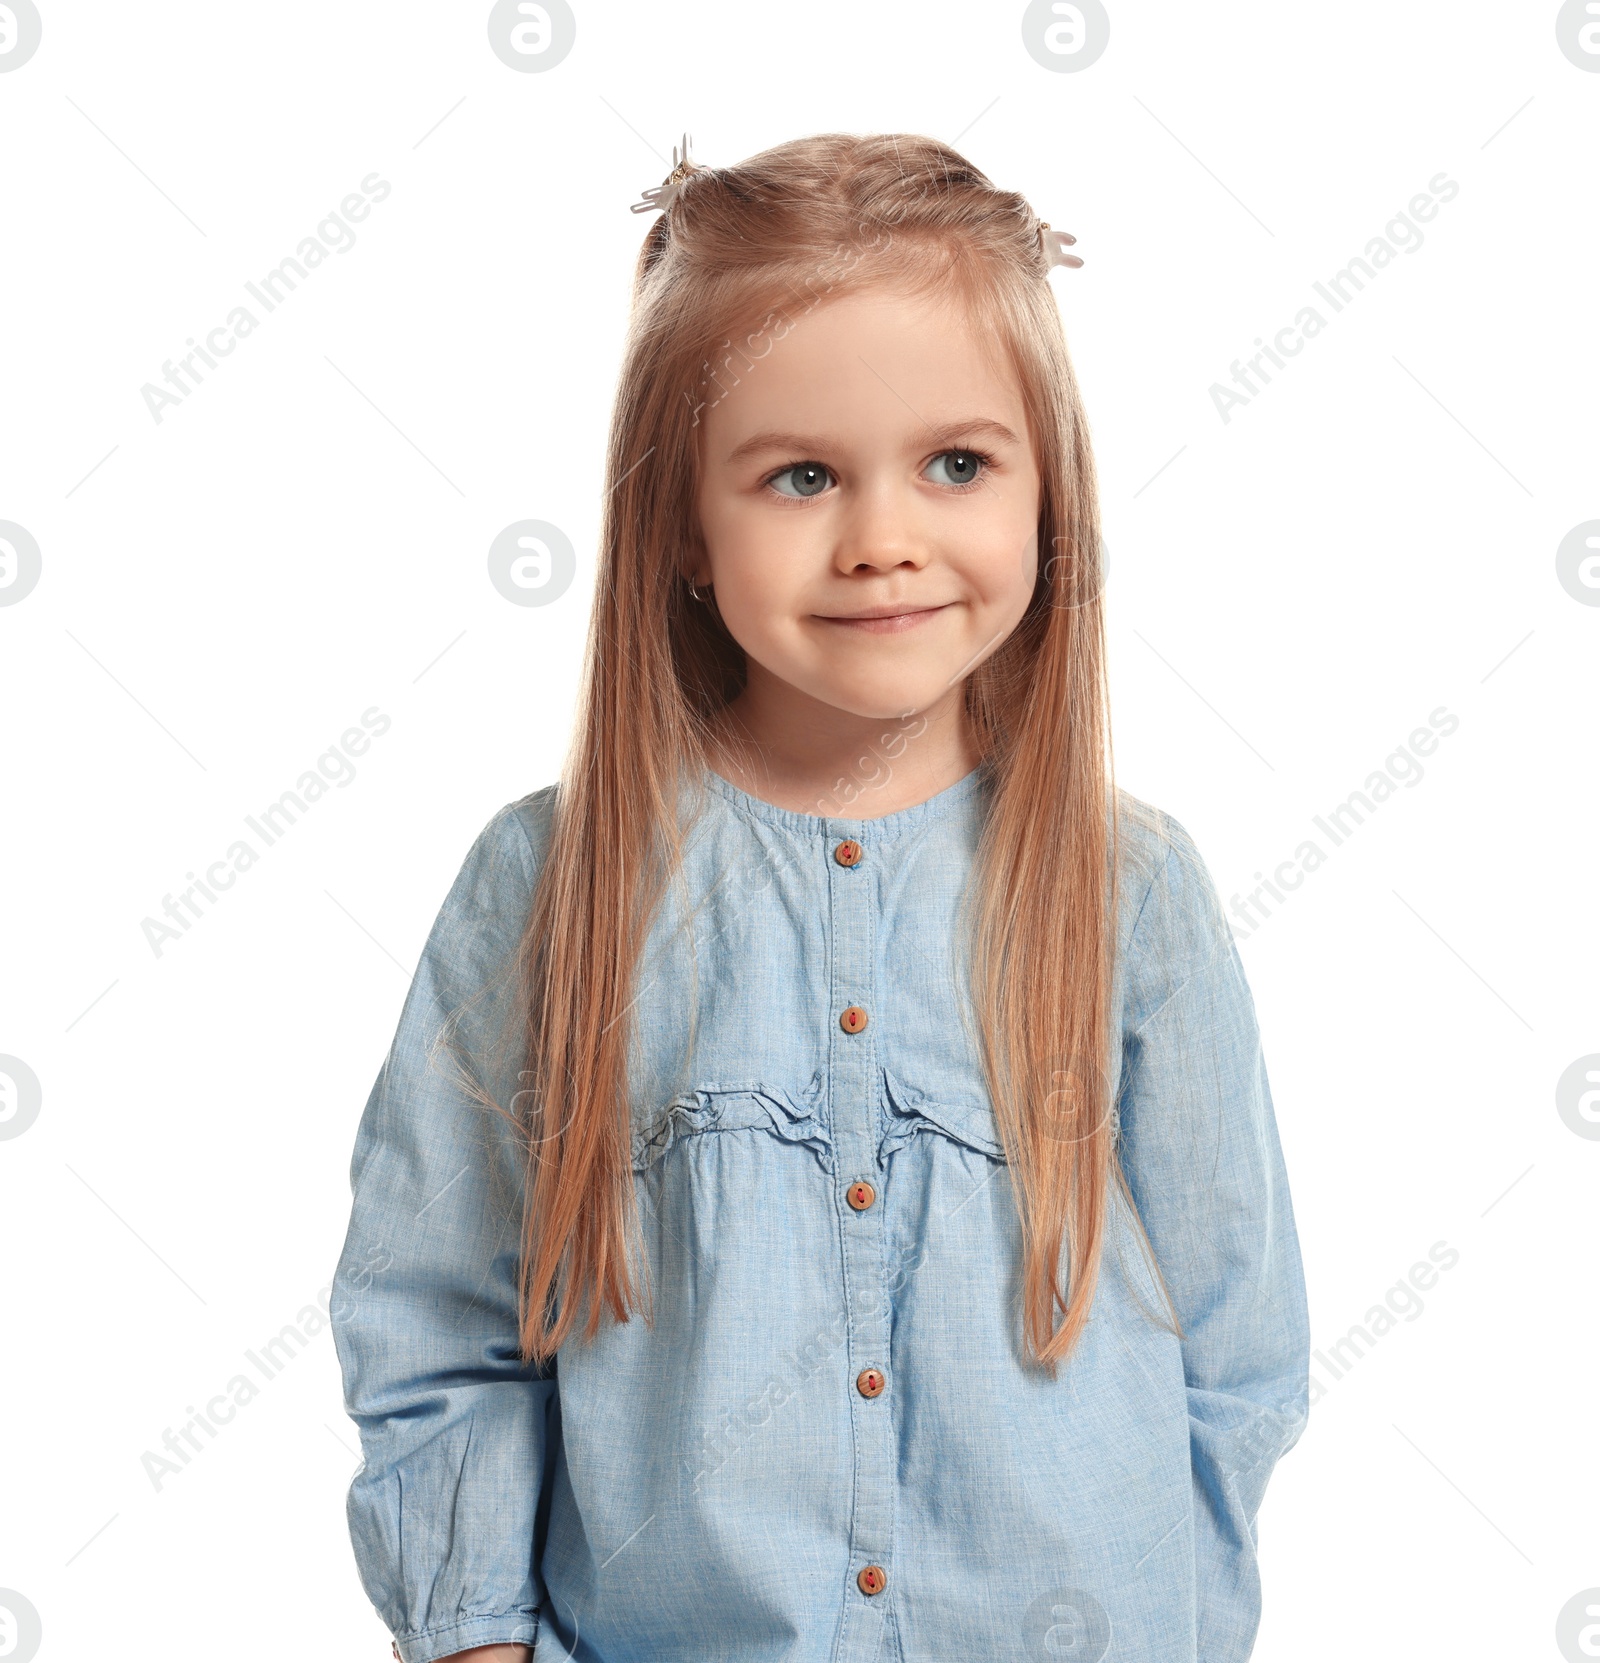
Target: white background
(1292,592)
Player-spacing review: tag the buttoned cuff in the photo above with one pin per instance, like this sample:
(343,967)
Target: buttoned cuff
(510,1627)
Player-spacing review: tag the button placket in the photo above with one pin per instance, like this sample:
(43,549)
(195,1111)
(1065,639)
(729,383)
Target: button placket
(852,869)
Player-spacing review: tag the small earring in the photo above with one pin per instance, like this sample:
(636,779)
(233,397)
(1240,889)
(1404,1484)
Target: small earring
(695,592)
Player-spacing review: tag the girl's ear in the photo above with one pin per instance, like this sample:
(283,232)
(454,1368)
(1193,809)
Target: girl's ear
(697,561)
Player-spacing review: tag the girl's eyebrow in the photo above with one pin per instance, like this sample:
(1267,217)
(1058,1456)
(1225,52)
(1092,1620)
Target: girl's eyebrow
(806,444)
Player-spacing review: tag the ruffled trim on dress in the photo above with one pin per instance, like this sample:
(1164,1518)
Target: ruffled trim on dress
(796,1117)
(909,1110)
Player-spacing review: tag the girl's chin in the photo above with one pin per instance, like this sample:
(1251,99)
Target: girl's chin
(880,703)
(869,692)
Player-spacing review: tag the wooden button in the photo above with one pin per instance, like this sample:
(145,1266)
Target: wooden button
(870,1382)
(861,1195)
(852,1019)
(847,853)
(870,1579)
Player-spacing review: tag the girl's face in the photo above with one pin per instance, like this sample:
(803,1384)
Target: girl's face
(869,507)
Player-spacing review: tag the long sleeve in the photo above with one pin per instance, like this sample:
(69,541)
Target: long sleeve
(1201,1153)
(454,1428)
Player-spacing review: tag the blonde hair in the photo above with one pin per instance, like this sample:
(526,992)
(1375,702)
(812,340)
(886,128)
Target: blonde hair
(738,248)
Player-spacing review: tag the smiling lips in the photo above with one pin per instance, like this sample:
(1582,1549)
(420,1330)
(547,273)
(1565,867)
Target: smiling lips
(884,622)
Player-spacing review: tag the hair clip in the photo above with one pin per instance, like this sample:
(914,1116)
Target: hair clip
(1051,246)
(659,197)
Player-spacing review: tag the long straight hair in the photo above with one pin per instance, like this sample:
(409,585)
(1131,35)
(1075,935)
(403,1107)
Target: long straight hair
(740,255)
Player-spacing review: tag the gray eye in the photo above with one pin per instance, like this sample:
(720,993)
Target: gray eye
(807,478)
(963,466)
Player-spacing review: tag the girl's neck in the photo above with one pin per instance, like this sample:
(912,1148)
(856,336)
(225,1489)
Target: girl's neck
(800,754)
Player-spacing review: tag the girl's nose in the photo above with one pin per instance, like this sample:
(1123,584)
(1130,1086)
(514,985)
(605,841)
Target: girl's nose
(879,531)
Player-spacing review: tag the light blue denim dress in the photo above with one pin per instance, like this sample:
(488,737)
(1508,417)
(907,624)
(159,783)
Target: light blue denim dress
(828,1389)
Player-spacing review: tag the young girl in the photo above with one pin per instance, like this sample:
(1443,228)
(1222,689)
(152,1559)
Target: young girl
(823,1200)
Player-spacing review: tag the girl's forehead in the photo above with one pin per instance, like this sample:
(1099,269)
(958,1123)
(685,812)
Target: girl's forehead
(879,347)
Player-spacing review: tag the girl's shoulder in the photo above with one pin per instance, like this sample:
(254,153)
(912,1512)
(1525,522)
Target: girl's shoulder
(498,872)
(1169,909)
(531,818)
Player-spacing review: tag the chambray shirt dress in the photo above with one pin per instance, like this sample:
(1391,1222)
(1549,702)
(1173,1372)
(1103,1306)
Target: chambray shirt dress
(829,1445)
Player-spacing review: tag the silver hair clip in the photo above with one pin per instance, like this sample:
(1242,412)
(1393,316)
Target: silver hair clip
(659,197)
(1052,246)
